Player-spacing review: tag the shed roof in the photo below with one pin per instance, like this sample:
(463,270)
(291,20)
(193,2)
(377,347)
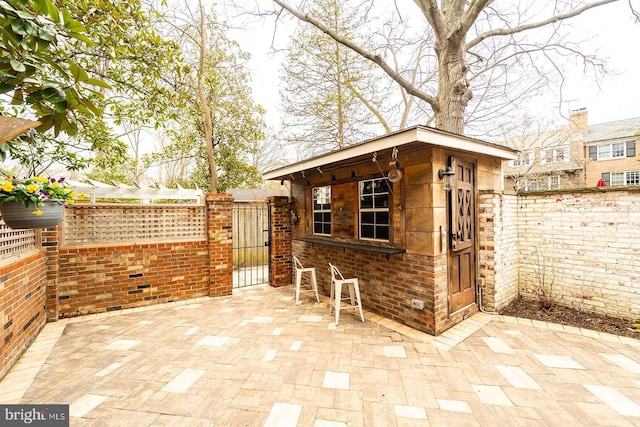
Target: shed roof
(416,135)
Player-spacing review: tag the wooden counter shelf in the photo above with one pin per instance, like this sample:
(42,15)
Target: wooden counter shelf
(349,245)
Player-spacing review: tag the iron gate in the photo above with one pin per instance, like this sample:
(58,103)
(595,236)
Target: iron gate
(251,244)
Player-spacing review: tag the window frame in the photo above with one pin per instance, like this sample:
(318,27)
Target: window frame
(627,176)
(556,155)
(622,150)
(525,158)
(323,210)
(375,210)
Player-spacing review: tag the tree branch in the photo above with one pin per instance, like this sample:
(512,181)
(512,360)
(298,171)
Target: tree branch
(521,28)
(377,59)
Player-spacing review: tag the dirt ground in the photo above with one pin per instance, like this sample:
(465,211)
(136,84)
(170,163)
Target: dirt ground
(568,316)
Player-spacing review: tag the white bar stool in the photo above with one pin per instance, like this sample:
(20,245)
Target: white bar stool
(337,280)
(314,282)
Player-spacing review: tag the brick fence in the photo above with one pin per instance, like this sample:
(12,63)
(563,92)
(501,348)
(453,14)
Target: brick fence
(69,277)
(577,248)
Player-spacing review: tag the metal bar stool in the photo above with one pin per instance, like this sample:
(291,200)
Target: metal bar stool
(314,282)
(337,280)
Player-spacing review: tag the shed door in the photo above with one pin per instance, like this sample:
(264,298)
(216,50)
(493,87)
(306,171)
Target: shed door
(462,255)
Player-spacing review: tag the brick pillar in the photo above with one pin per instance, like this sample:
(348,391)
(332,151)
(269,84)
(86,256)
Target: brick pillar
(219,233)
(50,246)
(280,259)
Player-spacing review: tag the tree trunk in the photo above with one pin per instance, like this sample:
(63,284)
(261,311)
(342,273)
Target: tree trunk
(453,91)
(207,125)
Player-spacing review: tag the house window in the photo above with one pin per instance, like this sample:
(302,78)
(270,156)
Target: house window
(604,152)
(542,183)
(553,156)
(374,209)
(612,151)
(322,211)
(617,178)
(621,178)
(617,151)
(525,158)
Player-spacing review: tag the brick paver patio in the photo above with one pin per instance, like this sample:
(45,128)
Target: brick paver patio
(256,359)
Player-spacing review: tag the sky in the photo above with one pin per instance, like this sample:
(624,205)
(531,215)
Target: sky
(610,30)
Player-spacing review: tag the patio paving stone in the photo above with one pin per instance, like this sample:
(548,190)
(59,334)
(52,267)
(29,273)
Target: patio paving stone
(256,359)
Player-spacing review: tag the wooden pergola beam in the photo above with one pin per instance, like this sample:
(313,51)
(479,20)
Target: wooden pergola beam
(11,127)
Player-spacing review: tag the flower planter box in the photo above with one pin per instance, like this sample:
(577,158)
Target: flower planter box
(17,216)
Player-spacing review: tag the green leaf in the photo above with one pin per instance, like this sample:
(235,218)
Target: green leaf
(18,97)
(79,74)
(98,82)
(17,66)
(53,94)
(82,38)
(61,106)
(17,26)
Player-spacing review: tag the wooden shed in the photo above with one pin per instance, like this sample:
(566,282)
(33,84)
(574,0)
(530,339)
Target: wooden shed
(400,213)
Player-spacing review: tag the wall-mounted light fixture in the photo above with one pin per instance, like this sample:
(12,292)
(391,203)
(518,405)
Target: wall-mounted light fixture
(446,178)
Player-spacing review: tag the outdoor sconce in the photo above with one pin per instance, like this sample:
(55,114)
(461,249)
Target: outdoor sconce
(295,217)
(446,176)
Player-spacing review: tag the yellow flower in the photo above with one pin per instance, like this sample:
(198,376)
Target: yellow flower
(70,202)
(55,185)
(37,212)
(72,194)
(50,192)
(32,188)
(7,186)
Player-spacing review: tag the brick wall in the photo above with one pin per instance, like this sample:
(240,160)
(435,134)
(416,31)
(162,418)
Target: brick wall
(220,243)
(99,279)
(280,253)
(585,246)
(22,305)
(387,286)
(497,249)
(105,277)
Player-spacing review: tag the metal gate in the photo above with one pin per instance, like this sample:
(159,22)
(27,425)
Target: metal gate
(251,244)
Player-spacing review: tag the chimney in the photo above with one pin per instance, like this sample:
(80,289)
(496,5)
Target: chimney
(578,120)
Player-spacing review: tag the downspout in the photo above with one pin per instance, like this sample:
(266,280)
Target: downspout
(480,285)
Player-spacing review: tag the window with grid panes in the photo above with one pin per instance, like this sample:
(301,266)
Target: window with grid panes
(322,210)
(374,209)
(618,150)
(617,178)
(604,152)
(633,178)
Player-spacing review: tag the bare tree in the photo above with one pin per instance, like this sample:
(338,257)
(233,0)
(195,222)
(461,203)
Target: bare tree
(482,46)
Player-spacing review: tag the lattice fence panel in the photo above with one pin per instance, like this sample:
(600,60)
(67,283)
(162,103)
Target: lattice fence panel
(14,241)
(103,224)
